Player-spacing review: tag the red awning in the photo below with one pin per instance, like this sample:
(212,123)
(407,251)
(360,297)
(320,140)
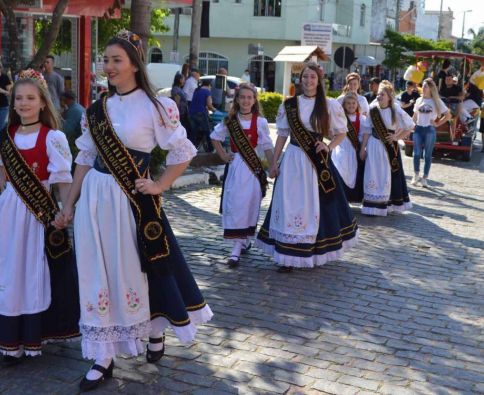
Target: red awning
(79,8)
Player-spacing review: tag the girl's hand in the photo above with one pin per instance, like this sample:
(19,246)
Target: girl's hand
(228,157)
(390,138)
(274,171)
(321,146)
(63,217)
(363,154)
(147,187)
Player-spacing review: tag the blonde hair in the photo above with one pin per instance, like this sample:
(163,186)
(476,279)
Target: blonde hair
(387,87)
(48,114)
(351,96)
(236,106)
(350,77)
(434,93)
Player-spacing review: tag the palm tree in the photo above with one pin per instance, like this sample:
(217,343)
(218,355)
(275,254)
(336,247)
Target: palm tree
(477,43)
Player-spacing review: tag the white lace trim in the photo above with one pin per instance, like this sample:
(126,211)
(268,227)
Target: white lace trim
(183,152)
(380,212)
(62,176)
(105,350)
(291,238)
(307,262)
(86,158)
(36,353)
(398,209)
(115,333)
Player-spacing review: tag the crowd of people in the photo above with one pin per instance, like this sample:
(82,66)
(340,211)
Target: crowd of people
(131,281)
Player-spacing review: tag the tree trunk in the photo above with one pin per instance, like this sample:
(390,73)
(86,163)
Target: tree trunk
(141,21)
(195,32)
(52,34)
(14,50)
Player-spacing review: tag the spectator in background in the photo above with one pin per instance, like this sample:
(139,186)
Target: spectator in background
(198,111)
(409,97)
(55,82)
(191,83)
(218,94)
(5,87)
(180,98)
(246,76)
(371,95)
(72,115)
(185,71)
(443,73)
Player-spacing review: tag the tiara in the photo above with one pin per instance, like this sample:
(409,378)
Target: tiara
(31,74)
(131,38)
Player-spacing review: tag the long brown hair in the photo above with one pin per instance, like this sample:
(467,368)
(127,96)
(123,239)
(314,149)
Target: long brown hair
(319,117)
(48,114)
(387,86)
(236,106)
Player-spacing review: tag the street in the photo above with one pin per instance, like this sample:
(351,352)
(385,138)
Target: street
(403,313)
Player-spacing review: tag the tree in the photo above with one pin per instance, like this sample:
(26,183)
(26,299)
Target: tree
(140,20)
(477,43)
(6,8)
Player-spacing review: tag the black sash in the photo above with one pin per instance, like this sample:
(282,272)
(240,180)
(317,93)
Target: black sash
(382,132)
(35,196)
(352,134)
(247,152)
(153,244)
(306,142)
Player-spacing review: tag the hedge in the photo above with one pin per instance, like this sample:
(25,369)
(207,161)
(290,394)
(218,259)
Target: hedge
(270,102)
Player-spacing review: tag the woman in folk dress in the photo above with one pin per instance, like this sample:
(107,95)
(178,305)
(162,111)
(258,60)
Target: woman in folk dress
(31,288)
(306,226)
(120,304)
(242,192)
(348,159)
(353,85)
(385,190)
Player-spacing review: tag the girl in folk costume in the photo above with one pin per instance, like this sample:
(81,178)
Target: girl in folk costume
(245,180)
(348,157)
(309,221)
(39,299)
(384,185)
(429,113)
(353,85)
(133,278)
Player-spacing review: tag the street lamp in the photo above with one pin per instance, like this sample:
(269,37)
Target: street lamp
(464,21)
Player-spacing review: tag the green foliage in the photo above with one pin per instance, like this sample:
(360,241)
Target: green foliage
(158,158)
(333,94)
(396,44)
(63,41)
(476,45)
(109,27)
(270,102)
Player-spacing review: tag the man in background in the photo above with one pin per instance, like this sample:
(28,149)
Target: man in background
(218,94)
(72,117)
(191,83)
(371,95)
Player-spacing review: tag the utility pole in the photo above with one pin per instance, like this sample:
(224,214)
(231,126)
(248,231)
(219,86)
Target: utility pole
(397,17)
(176,29)
(439,29)
(195,32)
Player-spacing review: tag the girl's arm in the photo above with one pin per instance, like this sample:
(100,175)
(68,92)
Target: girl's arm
(210,105)
(63,188)
(336,140)
(280,142)
(269,156)
(443,119)
(225,156)
(366,136)
(3,178)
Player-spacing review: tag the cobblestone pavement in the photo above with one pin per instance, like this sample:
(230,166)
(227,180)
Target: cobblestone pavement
(402,314)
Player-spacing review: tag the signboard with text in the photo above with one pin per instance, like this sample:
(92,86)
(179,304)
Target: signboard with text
(320,34)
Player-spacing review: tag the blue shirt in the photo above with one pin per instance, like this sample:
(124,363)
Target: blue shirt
(72,121)
(199,101)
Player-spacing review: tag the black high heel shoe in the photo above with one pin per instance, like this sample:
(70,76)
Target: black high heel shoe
(155,356)
(88,385)
(246,248)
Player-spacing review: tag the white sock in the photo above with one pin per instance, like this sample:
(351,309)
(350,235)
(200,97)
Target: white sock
(19,353)
(95,374)
(236,249)
(247,242)
(156,346)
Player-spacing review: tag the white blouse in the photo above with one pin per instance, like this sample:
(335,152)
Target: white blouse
(139,126)
(264,141)
(402,119)
(362,102)
(60,158)
(337,117)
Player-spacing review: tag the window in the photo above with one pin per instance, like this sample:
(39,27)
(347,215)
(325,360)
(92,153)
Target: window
(209,62)
(156,56)
(267,7)
(362,15)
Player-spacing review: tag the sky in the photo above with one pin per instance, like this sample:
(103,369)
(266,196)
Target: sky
(474,19)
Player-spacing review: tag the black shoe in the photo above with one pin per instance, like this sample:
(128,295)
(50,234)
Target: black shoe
(8,360)
(233,262)
(285,269)
(88,385)
(246,248)
(155,356)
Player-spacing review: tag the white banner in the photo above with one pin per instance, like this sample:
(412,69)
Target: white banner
(320,34)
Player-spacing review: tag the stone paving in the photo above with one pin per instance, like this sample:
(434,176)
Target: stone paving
(402,314)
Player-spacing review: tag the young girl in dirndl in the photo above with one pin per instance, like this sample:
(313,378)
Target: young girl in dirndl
(39,300)
(242,190)
(309,221)
(384,185)
(353,85)
(125,297)
(348,157)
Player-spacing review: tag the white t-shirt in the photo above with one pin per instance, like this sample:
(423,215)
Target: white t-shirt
(190,85)
(426,111)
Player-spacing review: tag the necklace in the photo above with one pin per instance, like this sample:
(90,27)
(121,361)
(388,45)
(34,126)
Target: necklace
(247,113)
(125,93)
(25,125)
(309,97)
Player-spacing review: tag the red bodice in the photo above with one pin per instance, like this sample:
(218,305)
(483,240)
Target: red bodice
(251,134)
(36,157)
(356,123)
